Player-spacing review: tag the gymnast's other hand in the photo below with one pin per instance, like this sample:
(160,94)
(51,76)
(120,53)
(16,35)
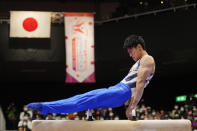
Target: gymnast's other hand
(129,111)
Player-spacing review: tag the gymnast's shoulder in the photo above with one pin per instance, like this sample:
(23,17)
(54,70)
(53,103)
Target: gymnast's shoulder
(147,59)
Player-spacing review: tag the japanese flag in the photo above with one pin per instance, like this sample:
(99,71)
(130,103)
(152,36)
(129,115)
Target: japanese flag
(30,24)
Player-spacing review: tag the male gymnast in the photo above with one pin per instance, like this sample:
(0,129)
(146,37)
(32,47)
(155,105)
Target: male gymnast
(130,88)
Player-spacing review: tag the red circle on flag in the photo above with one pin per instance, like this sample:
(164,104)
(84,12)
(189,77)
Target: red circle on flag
(30,24)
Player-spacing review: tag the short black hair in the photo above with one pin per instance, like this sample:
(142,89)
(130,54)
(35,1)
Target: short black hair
(133,40)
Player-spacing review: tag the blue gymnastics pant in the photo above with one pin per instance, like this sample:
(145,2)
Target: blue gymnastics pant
(114,96)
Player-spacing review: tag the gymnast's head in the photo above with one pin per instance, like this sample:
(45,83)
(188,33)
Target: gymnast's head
(135,46)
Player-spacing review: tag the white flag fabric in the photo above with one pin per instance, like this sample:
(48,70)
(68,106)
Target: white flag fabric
(79,30)
(30,24)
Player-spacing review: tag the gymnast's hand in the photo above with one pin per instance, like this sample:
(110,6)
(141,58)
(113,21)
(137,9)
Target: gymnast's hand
(128,114)
(129,110)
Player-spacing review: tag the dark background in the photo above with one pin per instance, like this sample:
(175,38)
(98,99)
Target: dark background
(33,70)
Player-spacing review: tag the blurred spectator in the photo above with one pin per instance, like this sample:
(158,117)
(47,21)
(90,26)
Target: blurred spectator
(58,116)
(138,111)
(71,116)
(183,112)
(111,114)
(64,117)
(101,118)
(162,115)
(25,112)
(105,114)
(116,117)
(189,115)
(25,124)
(11,117)
(49,116)
(97,115)
(194,111)
(38,116)
(143,109)
(81,114)
(191,101)
(76,116)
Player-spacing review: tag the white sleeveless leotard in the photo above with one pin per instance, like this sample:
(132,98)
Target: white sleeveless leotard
(131,78)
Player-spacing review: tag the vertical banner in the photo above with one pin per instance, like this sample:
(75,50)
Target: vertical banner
(79,31)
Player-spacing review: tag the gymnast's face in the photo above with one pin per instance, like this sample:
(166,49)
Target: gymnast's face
(134,52)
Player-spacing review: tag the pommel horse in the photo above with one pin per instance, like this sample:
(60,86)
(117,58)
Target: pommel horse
(111,125)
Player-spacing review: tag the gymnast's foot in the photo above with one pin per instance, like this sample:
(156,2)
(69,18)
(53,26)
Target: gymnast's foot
(35,106)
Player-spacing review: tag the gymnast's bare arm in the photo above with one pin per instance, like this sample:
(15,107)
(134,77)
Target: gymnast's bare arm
(147,67)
